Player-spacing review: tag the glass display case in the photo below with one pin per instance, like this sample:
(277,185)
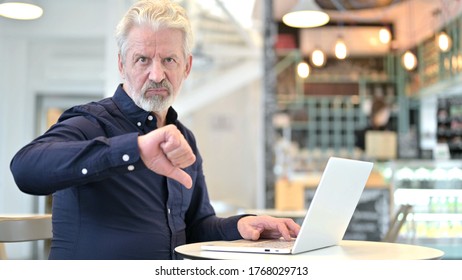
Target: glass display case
(434,190)
(449,124)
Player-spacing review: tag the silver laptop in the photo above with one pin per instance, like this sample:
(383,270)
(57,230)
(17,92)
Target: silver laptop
(328,215)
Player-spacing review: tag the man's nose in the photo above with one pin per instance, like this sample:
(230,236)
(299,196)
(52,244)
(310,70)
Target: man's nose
(156,72)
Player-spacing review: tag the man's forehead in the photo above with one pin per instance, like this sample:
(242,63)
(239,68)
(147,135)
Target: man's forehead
(162,39)
(148,30)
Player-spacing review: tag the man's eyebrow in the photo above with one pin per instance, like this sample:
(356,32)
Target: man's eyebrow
(137,55)
(172,55)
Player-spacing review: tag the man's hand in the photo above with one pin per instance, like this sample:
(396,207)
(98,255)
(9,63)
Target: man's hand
(256,227)
(165,151)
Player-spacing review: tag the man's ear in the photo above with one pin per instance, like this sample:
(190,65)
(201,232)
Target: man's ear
(188,66)
(121,66)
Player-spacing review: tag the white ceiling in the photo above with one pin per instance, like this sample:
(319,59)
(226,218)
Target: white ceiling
(414,21)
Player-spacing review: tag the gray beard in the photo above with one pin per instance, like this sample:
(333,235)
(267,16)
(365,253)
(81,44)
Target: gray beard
(157,103)
(154,104)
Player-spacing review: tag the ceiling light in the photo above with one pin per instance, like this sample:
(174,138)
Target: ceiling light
(444,41)
(409,61)
(306,14)
(303,70)
(384,35)
(340,49)
(24,10)
(318,58)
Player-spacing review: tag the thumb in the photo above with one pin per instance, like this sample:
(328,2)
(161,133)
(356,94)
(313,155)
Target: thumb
(255,233)
(182,177)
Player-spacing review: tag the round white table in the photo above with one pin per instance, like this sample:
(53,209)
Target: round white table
(346,250)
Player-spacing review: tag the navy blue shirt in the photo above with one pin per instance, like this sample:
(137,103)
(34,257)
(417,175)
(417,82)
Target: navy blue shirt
(106,203)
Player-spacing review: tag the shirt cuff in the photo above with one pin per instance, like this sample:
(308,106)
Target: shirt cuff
(234,234)
(125,153)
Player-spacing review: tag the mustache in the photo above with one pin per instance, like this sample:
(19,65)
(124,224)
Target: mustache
(154,85)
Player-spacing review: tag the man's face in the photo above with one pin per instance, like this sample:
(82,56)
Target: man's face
(154,67)
(381,117)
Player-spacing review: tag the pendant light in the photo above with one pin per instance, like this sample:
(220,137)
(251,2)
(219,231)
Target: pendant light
(24,10)
(444,41)
(306,14)
(384,35)
(341,51)
(409,60)
(303,70)
(318,58)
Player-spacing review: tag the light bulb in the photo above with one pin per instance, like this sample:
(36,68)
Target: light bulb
(384,35)
(444,41)
(303,70)
(318,58)
(340,49)
(409,61)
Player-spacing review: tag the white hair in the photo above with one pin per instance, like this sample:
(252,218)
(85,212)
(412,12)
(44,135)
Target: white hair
(157,14)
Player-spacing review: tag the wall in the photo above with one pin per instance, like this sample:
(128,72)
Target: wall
(229,136)
(17,120)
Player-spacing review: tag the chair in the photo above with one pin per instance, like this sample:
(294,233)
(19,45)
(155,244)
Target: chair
(23,228)
(397,223)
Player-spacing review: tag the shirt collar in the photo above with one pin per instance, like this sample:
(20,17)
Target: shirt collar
(135,114)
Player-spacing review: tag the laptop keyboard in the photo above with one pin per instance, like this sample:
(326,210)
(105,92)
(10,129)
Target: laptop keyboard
(276,243)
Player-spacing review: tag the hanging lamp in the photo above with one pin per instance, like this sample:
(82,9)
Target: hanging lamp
(303,69)
(409,60)
(341,50)
(306,14)
(384,35)
(444,41)
(21,10)
(318,58)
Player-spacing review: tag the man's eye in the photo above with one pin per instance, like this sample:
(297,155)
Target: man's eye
(142,59)
(169,60)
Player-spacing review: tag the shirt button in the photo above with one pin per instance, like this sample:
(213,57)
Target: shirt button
(150,117)
(125,157)
(131,167)
(168,211)
(138,123)
(84,171)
